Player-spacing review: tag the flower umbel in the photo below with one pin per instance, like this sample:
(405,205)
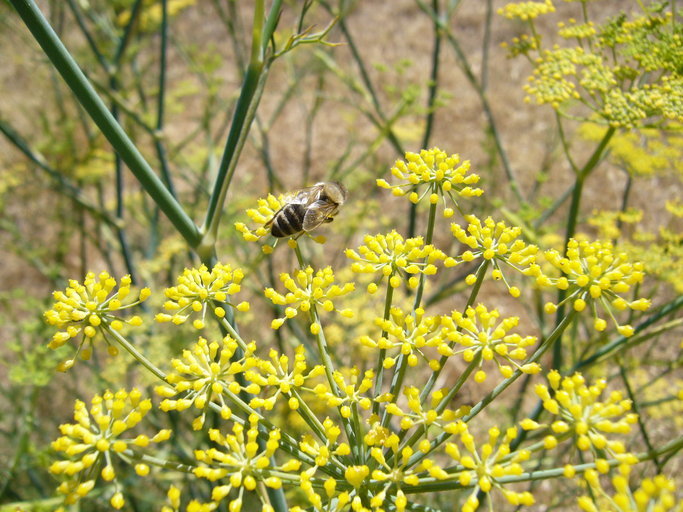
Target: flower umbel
(595,275)
(583,415)
(307,289)
(198,289)
(240,460)
(483,467)
(264,211)
(206,373)
(484,335)
(97,438)
(89,309)
(396,258)
(497,243)
(441,175)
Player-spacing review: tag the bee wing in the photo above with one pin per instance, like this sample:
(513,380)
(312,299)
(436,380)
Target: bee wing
(317,213)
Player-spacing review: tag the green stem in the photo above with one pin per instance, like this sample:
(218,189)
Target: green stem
(481,274)
(379,367)
(136,354)
(245,111)
(577,192)
(92,103)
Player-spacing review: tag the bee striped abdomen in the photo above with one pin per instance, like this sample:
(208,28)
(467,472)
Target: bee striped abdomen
(288,221)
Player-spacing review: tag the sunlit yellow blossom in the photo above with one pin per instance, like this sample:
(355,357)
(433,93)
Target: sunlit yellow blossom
(497,243)
(438,173)
(239,463)
(656,494)
(415,414)
(198,290)
(307,289)
(96,440)
(276,373)
(521,45)
(594,275)
(206,373)
(322,451)
(395,258)
(89,309)
(350,393)
(151,15)
(410,334)
(482,467)
(573,30)
(526,10)
(581,413)
(485,336)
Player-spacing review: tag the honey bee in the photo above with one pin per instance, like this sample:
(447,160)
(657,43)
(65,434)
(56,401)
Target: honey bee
(307,208)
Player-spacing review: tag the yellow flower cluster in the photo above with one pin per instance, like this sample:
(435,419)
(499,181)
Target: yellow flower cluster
(198,289)
(443,175)
(594,274)
(322,454)
(305,290)
(572,29)
(396,258)
(276,373)
(205,373)
(261,215)
(89,309)
(495,242)
(526,10)
(657,493)
(583,416)
(486,337)
(417,416)
(96,438)
(483,468)
(411,333)
(351,393)
(240,460)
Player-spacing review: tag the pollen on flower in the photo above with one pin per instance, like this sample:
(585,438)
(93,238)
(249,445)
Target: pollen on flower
(526,10)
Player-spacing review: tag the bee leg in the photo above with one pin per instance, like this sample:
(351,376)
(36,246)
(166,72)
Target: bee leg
(328,220)
(296,237)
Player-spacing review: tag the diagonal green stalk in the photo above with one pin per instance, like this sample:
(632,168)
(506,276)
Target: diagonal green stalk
(85,93)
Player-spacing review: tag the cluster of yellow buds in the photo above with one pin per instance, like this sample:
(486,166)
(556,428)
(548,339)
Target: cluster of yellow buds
(350,393)
(277,374)
(497,243)
(526,10)
(484,335)
(205,373)
(444,176)
(396,258)
(657,493)
(198,289)
(96,438)
(411,334)
(306,289)
(484,468)
(240,459)
(417,416)
(89,309)
(583,416)
(593,274)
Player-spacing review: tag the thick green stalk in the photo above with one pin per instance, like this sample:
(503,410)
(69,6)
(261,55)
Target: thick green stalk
(65,64)
(245,111)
